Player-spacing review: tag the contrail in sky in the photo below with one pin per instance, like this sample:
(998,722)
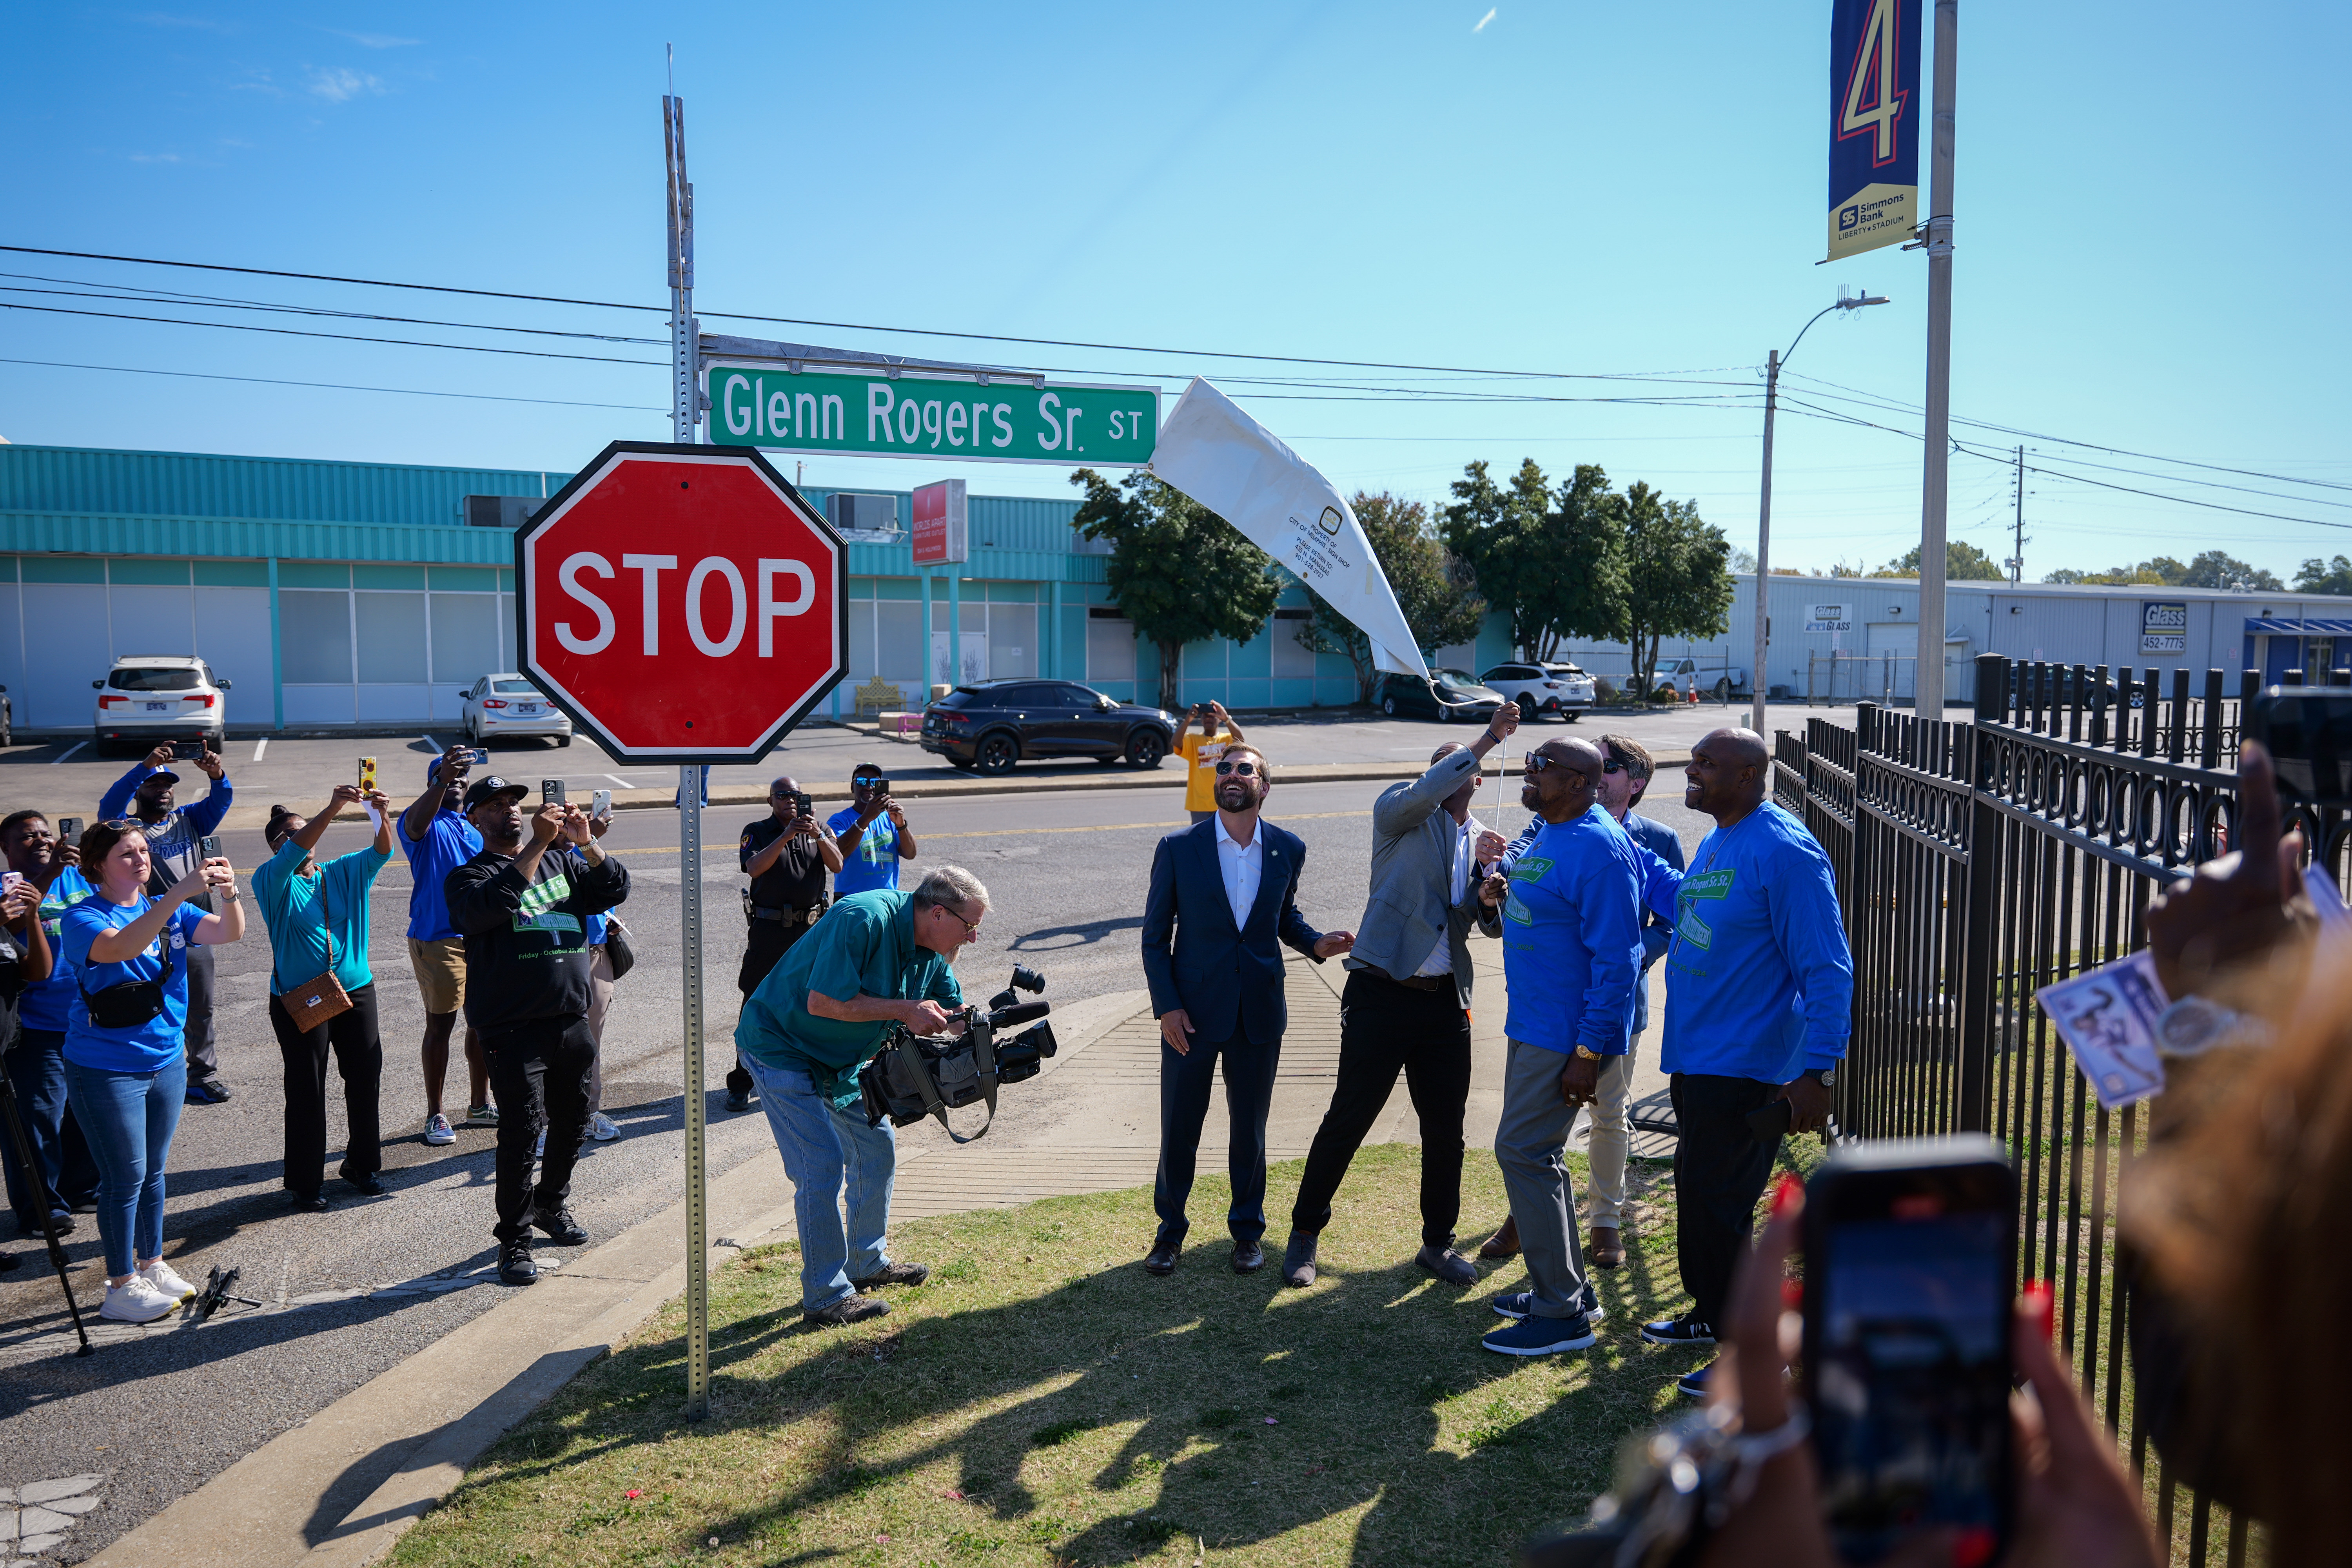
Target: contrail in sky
(1484,20)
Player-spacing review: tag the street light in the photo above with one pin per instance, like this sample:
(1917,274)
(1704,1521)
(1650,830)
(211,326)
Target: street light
(1756,682)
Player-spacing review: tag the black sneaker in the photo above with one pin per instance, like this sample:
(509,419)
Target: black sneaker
(847,1311)
(561,1227)
(207,1090)
(1679,1331)
(738,1101)
(895,1274)
(1693,1384)
(515,1267)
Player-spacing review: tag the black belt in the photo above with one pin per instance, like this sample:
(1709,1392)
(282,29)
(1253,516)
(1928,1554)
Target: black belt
(788,917)
(1411,983)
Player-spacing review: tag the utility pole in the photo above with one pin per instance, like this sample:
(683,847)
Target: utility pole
(1756,681)
(2017,555)
(1929,688)
(684,393)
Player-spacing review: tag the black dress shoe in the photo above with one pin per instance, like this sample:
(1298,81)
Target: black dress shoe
(1299,1260)
(561,1227)
(315,1203)
(367,1185)
(1162,1258)
(515,1267)
(1248,1258)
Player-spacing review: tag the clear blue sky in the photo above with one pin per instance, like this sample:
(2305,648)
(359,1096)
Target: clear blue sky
(2152,237)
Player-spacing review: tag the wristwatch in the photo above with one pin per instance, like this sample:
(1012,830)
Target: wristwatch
(1826,1077)
(1588,1052)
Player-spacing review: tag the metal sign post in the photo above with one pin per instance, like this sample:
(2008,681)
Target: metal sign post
(684,391)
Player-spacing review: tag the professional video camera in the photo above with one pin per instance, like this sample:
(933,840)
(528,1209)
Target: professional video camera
(914,1076)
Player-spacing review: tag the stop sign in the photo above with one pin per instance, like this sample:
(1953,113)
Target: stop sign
(682,604)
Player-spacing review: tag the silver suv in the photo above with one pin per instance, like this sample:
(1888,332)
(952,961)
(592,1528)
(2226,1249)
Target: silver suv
(161,698)
(1539,688)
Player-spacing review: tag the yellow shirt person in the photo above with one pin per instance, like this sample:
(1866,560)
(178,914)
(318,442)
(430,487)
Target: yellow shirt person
(1200,751)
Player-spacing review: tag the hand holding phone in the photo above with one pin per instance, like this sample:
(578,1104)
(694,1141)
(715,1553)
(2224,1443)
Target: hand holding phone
(551,792)
(600,804)
(367,775)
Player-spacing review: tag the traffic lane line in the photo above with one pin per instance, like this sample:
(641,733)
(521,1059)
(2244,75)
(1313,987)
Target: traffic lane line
(68,751)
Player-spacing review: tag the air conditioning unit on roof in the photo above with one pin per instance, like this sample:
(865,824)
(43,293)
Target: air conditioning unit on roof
(496,511)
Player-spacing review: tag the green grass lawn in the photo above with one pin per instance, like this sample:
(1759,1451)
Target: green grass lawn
(1044,1401)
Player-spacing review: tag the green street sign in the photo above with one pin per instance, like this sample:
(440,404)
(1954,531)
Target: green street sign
(926,414)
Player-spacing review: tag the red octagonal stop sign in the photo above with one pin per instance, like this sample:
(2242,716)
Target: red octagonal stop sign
(683,604)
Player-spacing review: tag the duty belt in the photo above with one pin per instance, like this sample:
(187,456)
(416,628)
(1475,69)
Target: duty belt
(785,917)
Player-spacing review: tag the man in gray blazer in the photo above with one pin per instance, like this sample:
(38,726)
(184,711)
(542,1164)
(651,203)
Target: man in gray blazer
(1406,1005)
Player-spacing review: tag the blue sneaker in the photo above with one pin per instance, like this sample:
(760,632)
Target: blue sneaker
(1679,1331)
(1694,1384)
(1516,1304)
(1540,1336)
(206,1091)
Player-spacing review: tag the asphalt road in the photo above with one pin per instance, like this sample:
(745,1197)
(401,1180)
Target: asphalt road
(1068,873)
(66,776)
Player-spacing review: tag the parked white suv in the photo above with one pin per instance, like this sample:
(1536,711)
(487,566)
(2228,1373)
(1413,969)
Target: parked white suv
(510,705)
(162,698)
(1539,688)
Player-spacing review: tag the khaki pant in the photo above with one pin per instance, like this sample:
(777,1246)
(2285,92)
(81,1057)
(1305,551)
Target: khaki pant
(600,1002)
(1612,1138)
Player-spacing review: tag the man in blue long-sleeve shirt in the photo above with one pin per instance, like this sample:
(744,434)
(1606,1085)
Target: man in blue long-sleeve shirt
(1760,1001)
(1571,923)
(145,795)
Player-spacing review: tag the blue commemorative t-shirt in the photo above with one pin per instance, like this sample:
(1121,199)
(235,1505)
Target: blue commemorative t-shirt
(876,864)
(1572,937)
(48,1005)
(156,1044)
(448,843)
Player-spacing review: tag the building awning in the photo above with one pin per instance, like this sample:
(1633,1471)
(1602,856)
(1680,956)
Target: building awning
(2279,625)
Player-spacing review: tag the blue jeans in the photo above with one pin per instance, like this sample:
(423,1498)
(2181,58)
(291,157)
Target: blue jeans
(67,1178)
(825,1148)
(128,1119)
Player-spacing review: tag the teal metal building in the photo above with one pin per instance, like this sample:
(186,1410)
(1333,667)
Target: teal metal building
(356,593)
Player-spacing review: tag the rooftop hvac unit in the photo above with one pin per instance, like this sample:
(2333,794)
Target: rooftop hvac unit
(863,519)
(498,512)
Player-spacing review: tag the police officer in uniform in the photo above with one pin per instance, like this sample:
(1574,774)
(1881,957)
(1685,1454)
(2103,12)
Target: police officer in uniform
(787,854)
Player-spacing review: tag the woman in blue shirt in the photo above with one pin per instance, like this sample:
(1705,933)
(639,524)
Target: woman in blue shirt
(317,920)
(128,1074)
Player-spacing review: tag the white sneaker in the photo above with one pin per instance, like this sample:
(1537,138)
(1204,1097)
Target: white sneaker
(438,1130)
(160,1275)
(135,1301)
(601,1128)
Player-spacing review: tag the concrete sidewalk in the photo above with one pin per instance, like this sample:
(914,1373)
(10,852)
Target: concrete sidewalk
(338,1490)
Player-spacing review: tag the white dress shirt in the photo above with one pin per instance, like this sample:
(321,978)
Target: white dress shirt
(1242,865)
(1465,842)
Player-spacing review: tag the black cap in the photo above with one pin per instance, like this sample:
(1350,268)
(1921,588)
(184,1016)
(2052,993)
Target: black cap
(485,790)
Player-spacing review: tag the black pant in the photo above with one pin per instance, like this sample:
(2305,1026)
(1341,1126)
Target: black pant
(196,1038)
(1184,1083)
(1719,1172)
(1385,1026)
(359,1058)
(539,1074)
(764,944)
(62,1164)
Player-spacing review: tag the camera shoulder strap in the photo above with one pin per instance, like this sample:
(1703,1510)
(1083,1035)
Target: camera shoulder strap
(984,1054)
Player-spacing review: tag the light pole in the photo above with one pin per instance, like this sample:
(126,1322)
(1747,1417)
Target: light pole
(1756,680)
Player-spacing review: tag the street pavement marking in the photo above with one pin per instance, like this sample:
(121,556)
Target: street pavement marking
(261,746)
(76,746)
(619,780)
(437,747)
(1017,832)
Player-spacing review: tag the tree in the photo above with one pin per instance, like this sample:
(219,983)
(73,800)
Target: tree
(2319,576)
(1182,573)
(2213,569)
(1432,588)
(1677,583)
(1553,562)
(1963,563)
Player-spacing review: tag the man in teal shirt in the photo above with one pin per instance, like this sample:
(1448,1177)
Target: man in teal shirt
(874,961)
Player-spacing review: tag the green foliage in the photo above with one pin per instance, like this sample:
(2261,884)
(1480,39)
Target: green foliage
(2325,576)
(1676,581)
(1554,563)
(1963,563)
(1432,588)
(1180,572)
(2212,569)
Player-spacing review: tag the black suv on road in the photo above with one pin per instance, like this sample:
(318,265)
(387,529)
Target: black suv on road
(993,724)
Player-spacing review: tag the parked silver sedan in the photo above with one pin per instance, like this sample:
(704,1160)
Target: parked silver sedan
(508,705)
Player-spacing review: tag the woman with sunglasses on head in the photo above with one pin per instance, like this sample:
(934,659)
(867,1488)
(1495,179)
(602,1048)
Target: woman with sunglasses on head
(318,921)
(126,1070)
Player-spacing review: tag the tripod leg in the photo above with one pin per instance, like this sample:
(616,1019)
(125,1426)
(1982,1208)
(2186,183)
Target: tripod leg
(33,1184)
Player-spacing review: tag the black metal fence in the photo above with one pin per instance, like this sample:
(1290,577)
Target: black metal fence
(1979,861)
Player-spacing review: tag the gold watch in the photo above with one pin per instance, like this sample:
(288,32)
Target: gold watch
(1588,1052)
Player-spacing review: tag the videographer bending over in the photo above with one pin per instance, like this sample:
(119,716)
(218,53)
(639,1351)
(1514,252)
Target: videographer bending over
(874,961)
(523,905)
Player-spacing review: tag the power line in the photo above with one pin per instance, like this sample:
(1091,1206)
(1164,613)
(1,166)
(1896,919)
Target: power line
(127,296)
(339,337)
(333,386)
(330,278)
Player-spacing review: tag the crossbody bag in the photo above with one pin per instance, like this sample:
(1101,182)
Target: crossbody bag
(322,997)
(129,1004)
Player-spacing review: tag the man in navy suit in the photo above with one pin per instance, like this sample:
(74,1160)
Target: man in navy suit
(1224,892)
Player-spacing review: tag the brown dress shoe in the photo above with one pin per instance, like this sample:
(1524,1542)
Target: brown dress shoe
(1503,1243)
(1606,1250)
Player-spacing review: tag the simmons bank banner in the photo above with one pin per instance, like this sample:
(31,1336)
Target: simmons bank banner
(1876,118)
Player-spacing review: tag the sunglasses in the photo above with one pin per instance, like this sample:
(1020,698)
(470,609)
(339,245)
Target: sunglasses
(972,927)
(1614,766)
(1536,762)
(1245,768)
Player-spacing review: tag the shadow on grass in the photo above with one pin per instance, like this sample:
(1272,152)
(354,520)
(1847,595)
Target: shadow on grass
(1044,1399)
